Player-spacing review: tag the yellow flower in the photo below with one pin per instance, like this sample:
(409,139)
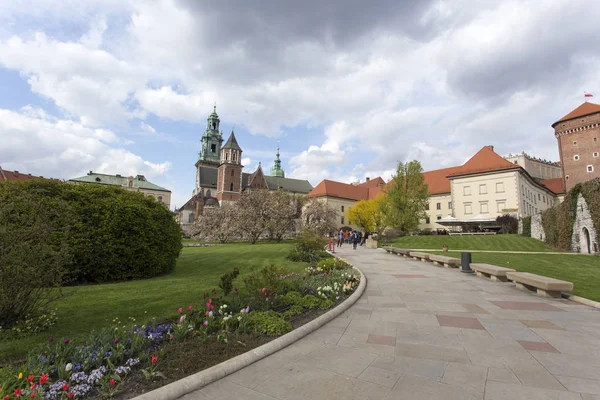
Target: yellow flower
(20,375)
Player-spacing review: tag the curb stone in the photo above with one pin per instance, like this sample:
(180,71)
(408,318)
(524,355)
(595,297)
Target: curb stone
(581,300)
(177,389)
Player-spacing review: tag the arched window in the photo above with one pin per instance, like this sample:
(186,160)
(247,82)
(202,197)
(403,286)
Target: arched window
(234,156)
(231,187)
(226,156)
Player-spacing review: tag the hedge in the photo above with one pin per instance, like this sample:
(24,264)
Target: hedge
(114,234)
(526,227)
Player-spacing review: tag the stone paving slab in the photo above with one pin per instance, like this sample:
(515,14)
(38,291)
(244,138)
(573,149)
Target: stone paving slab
(421,332)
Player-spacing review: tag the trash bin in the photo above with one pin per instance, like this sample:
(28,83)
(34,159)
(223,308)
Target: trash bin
(465,263)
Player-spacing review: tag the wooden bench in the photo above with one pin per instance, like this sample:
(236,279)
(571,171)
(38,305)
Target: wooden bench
(417,255)
(448,262)
(544,286)
(492,272)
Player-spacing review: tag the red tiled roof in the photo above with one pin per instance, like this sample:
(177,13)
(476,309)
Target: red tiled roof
(437,181)
(556,185)
(16,176)
(485,160)
(364,191)
(581,111)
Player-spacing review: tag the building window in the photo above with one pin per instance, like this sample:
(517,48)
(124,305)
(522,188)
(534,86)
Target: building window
(342,208)
(468,208)
(500,187)
(160,199)
(483,189)
(438,206)
(595,139)
(233,172)
(483,208)
(536,210)
(439,217)
(427,220)
(449,205)
(234,155)
(595,154)
(524,208)
(501,205)
(342,220)
(231,186)
(213,148)
(590,168)
(226,156)
(574,142)
(576,157)
(191,218)
(539,196)
(467,190)
(567,177)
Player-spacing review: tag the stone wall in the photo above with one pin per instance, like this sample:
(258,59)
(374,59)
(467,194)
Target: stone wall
(537,230)
(520,228)
(584,239)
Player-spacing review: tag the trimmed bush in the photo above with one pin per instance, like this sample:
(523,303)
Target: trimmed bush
(309,247)
(527,226)
(269,323)
(113,234)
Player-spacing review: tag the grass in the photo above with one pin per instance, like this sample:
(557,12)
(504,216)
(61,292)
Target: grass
(473,242)
(85,308)
(581,270)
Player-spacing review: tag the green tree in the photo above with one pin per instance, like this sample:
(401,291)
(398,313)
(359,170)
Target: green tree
(407,197)
(368,214)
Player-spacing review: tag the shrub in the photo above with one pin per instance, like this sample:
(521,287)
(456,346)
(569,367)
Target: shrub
(527,226)
(33,252)
(508,223)
(113,234)
(264,284)
(296,299)
(269,323)
(309,247)
(292,311)
(226,283)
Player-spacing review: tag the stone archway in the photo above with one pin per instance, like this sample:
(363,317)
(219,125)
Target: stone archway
(586,245)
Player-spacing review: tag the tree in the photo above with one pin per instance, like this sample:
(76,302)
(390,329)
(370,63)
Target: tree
(283,212)
(217,223)
(508,223)
(253,211)
(368,214)
(318,217)
(407,197)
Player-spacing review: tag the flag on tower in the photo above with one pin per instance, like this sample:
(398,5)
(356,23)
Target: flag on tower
(587,95)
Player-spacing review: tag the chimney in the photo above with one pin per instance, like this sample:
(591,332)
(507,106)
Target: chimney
(16,173)
(368,179)
(491,147)
(90,172)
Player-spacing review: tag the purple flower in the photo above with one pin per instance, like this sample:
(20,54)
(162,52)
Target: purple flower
(116,341)
(51,339)
(67,340)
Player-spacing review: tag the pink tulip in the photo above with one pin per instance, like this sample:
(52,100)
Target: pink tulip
(190,308)
(180,310)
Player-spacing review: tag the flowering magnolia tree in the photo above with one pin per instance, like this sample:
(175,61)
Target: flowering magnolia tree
(217,223)
(319,218)
(284,211)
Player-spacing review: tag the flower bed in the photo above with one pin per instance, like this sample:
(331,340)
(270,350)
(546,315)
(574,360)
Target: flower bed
(129,359)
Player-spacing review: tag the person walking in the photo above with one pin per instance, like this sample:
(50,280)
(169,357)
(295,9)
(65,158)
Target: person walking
(354,239)
(340,236)
(360,234)
(364,238)
(346,234)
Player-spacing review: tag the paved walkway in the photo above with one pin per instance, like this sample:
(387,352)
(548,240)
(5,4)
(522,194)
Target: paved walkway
(424,332)
(508,252)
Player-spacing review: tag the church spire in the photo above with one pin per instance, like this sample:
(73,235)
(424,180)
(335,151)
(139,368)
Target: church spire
(277,170)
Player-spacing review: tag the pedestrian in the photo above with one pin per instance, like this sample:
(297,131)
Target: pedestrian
(340,238)
(346,234)
(364,239)
(354,239)
(360,237)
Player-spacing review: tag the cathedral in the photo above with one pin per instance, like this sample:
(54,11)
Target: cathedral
(220,177)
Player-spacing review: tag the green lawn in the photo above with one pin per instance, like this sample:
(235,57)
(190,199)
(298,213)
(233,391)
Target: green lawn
(472,242)
(583,271)
(85,308)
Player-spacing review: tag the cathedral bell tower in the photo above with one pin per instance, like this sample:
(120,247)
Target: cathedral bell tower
(277,170)
(229,180)
(211,140)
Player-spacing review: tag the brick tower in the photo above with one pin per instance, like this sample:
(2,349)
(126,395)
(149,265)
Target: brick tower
(578,135)
(229,179)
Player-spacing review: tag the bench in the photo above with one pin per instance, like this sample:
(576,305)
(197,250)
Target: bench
(416,255)
(402,252)
(492,272)
(544,286)
(448,262)
(389,249)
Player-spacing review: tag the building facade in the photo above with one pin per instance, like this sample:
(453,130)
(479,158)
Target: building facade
(137,183)
(536,167)
(578,136)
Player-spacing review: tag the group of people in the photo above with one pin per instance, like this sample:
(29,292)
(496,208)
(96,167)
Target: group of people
(351,237)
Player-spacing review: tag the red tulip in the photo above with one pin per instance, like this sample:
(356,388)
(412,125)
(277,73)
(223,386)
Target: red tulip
(180,310)
(18,392)
(67,341)
(190,308)
(33,395)
(65,387)
(71,395)
(7,397)
(116,341)
(33,386)
(154,359)
(43,379)
(30,378)
(112,382)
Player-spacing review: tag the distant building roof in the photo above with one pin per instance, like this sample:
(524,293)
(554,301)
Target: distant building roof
(581,111)
(363,191)
(232,143)
(288,184)
(139,181)
(437,181)
(12,176)
(556,185)
(485,160)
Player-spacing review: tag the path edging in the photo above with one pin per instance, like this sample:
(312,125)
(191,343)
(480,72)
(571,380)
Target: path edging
(581,300)
(181,387)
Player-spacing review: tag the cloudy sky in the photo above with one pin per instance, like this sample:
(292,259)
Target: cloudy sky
(347,87)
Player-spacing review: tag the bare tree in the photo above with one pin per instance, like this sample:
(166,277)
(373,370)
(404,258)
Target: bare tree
(217,223)
(283,212)
(318,217)
(253,209)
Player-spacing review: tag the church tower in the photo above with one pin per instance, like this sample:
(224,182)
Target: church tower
(211,140)
(229,180)
(277,170)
